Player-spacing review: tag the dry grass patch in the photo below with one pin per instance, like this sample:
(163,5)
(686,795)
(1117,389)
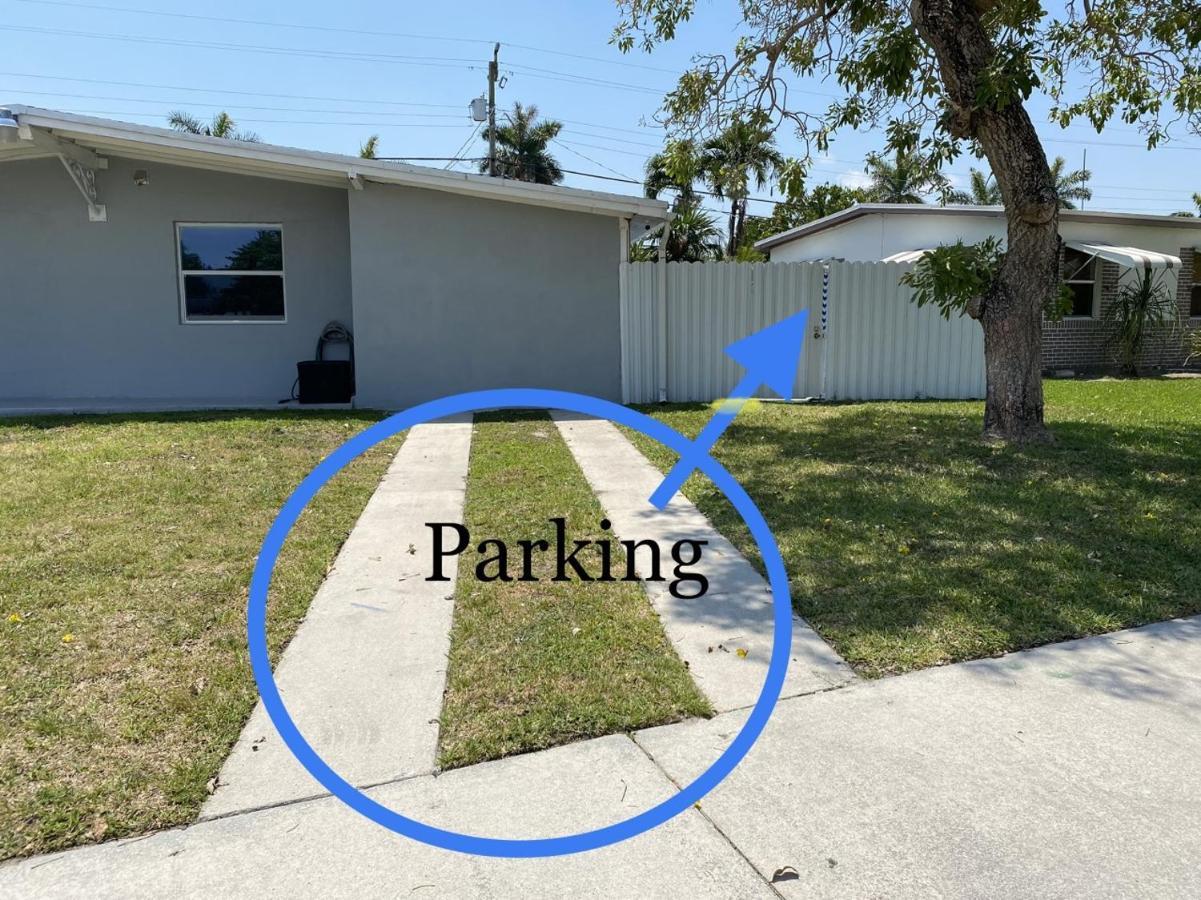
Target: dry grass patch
(127,546)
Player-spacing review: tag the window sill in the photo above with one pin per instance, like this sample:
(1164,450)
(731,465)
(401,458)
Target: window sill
(234,321)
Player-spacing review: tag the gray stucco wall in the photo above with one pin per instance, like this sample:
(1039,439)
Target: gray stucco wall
(454,293)
(91,310)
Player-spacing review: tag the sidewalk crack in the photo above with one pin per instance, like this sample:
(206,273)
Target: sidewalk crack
(704,815)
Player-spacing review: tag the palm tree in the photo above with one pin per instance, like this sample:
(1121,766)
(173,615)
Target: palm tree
(368,147)
(906,178)
(521,147)
(694,237)
(222,126)
(743,152)
(1070,185)
(677,168)
(983,190)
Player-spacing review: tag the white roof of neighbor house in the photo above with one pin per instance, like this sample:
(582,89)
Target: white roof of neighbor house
(112,137)
(859,210)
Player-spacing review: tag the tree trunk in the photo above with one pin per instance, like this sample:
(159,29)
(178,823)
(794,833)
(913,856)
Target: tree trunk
(1011,310)
(741,229)
(733,228)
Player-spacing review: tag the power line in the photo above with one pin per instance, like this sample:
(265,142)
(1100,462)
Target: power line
(322,111)
(178,102)
(178,87)
(223,91)
(609,149)
(470,138)
(567,147)
(143,114)
(341,30)
(437,62)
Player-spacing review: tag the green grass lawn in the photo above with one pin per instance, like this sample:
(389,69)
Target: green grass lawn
(911,543)
(533,664)
(127,545)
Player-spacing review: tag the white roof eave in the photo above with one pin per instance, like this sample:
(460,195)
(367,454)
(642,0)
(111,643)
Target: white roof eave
(123,138)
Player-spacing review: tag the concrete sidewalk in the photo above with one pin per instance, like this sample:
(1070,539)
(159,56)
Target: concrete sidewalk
(1067,771)
(364,675)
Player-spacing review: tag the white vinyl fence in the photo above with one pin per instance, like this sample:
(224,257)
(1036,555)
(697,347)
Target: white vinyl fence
(868,341)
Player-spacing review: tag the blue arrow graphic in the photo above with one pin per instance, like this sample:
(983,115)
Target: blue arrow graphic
(770,357)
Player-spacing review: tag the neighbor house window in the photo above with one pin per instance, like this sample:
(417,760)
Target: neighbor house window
(1194,307)
(1080,275)
(231,273)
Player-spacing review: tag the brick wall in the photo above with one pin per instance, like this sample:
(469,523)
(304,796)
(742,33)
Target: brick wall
(1079,343)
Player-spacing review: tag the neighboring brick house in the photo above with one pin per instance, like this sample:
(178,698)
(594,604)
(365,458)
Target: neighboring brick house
(1077,341)
(883,231)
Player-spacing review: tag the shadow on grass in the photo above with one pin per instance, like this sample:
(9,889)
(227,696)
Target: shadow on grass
(911,543)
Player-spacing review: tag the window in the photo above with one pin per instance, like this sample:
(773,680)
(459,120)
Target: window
(1080,275)
(1194,306)
(231,273)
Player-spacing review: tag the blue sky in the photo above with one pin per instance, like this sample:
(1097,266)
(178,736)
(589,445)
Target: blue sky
(407,71)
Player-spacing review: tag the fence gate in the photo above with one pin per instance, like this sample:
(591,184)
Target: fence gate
(869,342)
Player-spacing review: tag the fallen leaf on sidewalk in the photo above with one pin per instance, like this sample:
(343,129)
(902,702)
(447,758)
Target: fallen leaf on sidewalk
(785,873)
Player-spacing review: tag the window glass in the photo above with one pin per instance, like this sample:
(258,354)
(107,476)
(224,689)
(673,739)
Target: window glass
(229,296)
(238,247)
(231,273)
(1080,273)
(1194,310)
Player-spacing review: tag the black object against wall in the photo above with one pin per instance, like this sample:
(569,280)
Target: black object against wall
(322,380)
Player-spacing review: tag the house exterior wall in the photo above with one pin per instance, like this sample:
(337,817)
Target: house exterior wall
(92,310)
(1072,343)
(454,293)
(860,240)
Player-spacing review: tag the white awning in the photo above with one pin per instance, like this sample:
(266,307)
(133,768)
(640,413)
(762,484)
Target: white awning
(906,256)
(1130,257)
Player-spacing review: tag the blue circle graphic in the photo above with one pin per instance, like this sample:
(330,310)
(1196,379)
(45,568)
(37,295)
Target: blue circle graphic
(513,398)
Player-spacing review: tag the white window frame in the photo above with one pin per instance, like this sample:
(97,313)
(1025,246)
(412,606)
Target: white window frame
(228,320)
(1098,277)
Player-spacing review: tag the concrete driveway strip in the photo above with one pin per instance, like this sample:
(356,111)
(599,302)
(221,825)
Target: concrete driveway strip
(1066,771)
(736,613)
(321,848)
(364,675)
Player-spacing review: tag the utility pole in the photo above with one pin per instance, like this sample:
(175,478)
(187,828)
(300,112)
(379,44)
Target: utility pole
(1084,166)
(493,68)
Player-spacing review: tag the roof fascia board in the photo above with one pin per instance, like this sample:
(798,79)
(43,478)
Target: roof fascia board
(230,167)
(286,160)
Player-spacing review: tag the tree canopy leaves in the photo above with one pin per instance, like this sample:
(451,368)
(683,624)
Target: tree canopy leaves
(1137,62)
